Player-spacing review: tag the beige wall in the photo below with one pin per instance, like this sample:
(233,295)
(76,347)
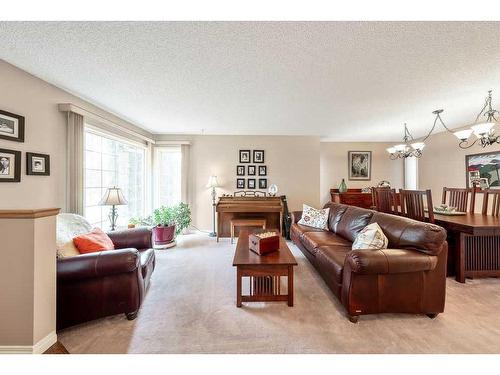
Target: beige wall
(45,132)
(334,166)
(443,164)
(292,164)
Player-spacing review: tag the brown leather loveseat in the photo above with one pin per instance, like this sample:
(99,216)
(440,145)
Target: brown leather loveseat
(95,285)
(408,277)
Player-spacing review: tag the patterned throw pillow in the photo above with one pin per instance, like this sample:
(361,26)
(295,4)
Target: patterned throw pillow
(371,237)
(314,218)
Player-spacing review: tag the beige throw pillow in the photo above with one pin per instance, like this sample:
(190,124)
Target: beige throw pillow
(371,237)
(314,218)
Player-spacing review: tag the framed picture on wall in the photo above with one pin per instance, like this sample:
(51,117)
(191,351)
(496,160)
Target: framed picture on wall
(359,165)
(251,183)
(251,170)
(240,183)
(240,170)
(37,164)
(258,156)
(262,170)
(244,156)
(483,169)
(10,165)
(262,183)
(11,126)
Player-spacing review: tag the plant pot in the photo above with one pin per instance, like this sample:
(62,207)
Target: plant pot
(163,234)
(131,226)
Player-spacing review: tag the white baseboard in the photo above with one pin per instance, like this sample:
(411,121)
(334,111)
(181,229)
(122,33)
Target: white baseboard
(40,347)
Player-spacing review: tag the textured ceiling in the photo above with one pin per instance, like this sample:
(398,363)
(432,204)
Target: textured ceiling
(345,81)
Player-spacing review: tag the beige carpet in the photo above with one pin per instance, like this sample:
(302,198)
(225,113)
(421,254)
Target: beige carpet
(190,308)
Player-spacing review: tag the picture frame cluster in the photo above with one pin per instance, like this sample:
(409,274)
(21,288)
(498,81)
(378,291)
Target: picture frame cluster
(12,128)
(251,157)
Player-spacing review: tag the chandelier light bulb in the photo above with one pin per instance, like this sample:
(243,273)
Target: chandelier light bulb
(401,148)
(391,150)
(480,130)
(419,146)
(463,134)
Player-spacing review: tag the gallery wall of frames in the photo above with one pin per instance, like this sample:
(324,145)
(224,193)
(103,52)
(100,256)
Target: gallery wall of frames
(12,128)
(251,171)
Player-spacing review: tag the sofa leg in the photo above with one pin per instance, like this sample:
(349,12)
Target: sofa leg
(353,318)
(132,315)
(432,316)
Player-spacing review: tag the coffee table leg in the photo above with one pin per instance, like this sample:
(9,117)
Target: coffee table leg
(290,286)
(238,287)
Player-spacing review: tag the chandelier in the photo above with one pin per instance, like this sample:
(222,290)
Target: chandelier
(483,130)
(407,149)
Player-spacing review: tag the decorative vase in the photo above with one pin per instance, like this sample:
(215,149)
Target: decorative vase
(342,187)
(163,234)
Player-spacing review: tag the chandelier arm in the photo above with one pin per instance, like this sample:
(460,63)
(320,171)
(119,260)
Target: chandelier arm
(432,129)
(482,110)
(465,144)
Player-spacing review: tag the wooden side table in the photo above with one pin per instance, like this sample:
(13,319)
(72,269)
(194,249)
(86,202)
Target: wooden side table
(254,222)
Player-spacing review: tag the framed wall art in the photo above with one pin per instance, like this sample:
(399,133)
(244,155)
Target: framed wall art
(10,165)
(251,170)
(483,169)
(251,183)
(360,165)
(240,170)
(37,164)
(262,170)
(262,183)
(240,183)
(244,156)
(258,156)
(11,126)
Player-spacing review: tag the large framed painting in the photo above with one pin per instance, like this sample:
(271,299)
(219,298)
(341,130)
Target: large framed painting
(483,169)
(360,165)
(11,126)
(10,165)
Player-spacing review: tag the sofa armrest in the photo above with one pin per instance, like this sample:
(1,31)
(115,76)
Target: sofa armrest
(389,261)
(102,263)
(295,216)
(138,238)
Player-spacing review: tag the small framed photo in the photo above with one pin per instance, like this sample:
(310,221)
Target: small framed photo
(37,164)
(11,126)
(240,170)
(251,170)
(262,170)
(262,183)
(258,156)
(10,165)
(244,156)
(240,183)
(251,183)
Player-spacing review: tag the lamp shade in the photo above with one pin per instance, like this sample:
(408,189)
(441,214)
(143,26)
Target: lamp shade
(113,197)
(212,182)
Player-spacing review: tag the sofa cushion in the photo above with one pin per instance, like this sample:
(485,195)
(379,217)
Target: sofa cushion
(336,213)
(371,237)
(330,261)
(68,227)
(94,241)
(314,218)
(313,240)
(147,259)
(353,220)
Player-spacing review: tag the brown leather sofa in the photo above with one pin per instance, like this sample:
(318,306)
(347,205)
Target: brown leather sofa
(95,285)
(408,277)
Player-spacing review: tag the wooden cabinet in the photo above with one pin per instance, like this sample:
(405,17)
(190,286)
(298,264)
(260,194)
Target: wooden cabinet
(353,197)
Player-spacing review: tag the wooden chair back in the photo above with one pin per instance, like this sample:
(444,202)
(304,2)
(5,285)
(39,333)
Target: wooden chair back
(412,204)
(384,200)
(459,198)
(494,195)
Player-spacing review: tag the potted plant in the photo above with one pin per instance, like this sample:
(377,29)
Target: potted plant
(182,217)
(164,225)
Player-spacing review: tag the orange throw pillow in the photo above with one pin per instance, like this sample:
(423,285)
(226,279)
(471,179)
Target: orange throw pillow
(95,240)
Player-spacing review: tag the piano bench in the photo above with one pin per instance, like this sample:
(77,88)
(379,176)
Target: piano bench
(253,222)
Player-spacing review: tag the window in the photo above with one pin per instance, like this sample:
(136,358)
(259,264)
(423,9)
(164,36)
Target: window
(112,162)
(168,161)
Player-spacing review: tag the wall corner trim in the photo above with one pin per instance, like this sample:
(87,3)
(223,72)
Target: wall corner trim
(28,214)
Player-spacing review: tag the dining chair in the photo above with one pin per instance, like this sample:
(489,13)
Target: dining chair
(495,205)
(459,197)
(412,204)
(384,200)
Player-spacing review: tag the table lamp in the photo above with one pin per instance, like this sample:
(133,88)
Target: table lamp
(212,184)
(113,197)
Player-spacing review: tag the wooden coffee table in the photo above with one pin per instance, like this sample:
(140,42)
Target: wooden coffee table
(264,272)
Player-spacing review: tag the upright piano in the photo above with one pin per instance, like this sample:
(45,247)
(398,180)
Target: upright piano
(269,208)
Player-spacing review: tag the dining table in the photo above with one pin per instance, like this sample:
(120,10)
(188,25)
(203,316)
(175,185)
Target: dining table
(473,244)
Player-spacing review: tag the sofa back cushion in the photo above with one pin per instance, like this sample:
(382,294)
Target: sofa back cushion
(408,234)
(69,226)
(353,220)
(336,213)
